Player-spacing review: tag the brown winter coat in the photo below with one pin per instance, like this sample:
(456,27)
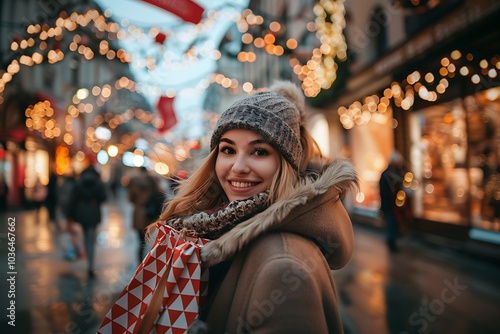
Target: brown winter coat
(279,280)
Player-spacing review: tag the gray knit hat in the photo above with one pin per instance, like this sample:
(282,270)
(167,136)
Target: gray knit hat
(276,115)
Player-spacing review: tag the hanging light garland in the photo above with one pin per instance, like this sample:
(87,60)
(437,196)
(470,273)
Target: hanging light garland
(417,85)
(320,72)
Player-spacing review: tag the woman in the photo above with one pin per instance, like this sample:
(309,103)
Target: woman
(271,205)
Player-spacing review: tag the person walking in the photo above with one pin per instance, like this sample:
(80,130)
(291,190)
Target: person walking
(87,196)
(39,195)
(4,194)
(394,208)
(65,190)
(71,233)
(52,197)
(141,189)
(271,205)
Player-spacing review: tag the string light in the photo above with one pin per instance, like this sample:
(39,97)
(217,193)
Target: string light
(318,73)
(403,94)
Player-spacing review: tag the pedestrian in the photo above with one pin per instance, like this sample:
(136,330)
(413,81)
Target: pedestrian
(71,233)
(141,189)
(271,205)
(65,190)
(394,202)
(87,196)
(39,195)
(154,206)
(51,199)
(4,193)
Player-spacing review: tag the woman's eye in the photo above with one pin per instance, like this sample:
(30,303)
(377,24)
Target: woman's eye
(261,151)
(227,150)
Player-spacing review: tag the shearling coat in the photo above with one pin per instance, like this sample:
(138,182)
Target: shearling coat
(279,278)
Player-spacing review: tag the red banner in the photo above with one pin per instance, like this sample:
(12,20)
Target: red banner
(166,110)
(187,10)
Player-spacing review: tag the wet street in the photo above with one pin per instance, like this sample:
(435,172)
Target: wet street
(421,289)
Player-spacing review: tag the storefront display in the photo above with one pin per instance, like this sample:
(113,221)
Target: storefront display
(455,158)
(371,147)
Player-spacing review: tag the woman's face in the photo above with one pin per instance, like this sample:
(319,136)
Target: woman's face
(246,164)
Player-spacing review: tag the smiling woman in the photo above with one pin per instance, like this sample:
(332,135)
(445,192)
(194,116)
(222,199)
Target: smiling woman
(269,204)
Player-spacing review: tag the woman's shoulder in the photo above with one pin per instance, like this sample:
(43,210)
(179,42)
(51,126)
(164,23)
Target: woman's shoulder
(269,249)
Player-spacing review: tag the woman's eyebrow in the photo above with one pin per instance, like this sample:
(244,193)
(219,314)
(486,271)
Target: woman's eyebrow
(227,140)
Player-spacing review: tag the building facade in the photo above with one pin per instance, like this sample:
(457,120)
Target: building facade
(53,57)
(424,81)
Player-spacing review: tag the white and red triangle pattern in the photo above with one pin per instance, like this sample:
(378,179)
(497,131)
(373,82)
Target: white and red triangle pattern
(184,292)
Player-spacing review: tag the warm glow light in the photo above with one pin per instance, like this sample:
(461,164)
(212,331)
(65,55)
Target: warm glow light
(247,87)
(455,55)
(291,43)
(138,160)
(112,151)
(360,197)
(82,93)
(162,168)
(275,26)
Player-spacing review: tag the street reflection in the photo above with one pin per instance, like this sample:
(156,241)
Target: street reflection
(37,236)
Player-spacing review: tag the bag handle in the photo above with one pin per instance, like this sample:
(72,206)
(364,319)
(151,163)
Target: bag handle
(155,304)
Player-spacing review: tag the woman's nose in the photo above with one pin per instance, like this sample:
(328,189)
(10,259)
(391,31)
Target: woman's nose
(240,165)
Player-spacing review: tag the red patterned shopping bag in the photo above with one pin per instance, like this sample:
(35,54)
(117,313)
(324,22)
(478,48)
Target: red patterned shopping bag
(167,290)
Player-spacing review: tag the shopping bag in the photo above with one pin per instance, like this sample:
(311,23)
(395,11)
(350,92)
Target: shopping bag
(173,270)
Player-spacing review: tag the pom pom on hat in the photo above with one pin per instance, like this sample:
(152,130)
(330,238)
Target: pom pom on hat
(293,93)
(276,114)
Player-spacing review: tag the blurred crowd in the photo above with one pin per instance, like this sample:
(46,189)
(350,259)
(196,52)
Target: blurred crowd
(74,204)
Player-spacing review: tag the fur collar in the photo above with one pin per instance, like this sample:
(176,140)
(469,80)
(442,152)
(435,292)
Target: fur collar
(335,178)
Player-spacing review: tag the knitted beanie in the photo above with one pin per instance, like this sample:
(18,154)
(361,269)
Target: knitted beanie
(276,115)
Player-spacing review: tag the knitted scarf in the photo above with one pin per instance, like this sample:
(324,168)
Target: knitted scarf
(212,225)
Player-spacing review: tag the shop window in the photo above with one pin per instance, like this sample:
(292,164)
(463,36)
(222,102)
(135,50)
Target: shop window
(455,156)
(371,147)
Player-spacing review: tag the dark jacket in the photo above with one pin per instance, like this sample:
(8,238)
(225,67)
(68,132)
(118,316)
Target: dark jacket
(87,197)
(141,190)
(279,278)
(391,181)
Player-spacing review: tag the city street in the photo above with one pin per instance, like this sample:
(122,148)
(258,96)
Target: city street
(421,289)
(131,98)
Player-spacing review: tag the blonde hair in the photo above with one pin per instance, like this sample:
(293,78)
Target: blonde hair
(310,149)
